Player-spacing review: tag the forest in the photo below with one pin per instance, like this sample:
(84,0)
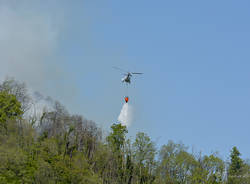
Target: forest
(58,147)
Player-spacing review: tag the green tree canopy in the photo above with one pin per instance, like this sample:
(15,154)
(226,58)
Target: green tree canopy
(10,108)
(118,136)
(236,166)
(236,162)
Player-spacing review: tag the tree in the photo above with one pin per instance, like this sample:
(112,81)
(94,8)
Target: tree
(116,141)
(144,157)
(117,137)
(10,108)
(208,170)
(18,89)
(176,165)
(236,167)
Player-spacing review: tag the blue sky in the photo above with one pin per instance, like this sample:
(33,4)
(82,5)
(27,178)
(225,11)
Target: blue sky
(195,56)
(196,60)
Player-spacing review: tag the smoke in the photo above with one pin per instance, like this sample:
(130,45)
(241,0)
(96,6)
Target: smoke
(126,115)
(27,39)
(39,104)
(30,39)
(36,40)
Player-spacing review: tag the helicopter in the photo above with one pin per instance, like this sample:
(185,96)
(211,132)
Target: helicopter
(127,76)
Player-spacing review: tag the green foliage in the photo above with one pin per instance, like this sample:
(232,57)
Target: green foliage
(208,170)
(236,166)
(116,142)
(116,139)
(176,164)
(41,162)
(10,108)
(19,90)
(144,158)
(62,148)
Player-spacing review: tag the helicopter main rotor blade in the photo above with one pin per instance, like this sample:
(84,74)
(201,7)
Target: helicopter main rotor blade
(119,69)
(136,73)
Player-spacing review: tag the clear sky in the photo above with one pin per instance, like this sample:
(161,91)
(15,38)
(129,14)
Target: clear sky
(195,56)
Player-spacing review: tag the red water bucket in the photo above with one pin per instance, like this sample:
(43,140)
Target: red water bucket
(126,99)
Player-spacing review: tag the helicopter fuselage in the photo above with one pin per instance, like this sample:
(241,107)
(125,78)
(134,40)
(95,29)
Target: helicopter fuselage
(127,78)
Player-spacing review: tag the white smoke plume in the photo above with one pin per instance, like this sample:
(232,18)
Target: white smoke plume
(126,115)
(39,104)
(29,41)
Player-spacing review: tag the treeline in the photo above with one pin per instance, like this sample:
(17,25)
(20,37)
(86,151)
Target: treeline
(57,147)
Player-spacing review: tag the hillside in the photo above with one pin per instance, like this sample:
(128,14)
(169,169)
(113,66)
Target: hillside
(57,147)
